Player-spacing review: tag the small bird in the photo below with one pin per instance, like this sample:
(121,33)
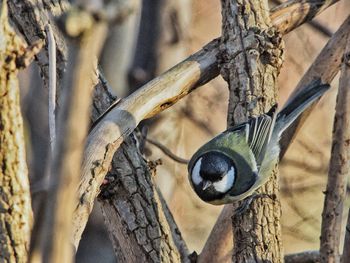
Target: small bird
(231,166)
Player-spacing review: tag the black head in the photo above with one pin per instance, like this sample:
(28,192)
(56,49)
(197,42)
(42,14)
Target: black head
(212,175)
(214,166)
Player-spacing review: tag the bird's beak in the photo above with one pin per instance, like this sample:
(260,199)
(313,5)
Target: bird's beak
(206,184)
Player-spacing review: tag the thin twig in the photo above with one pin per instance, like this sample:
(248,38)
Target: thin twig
(167,152)
(52,85)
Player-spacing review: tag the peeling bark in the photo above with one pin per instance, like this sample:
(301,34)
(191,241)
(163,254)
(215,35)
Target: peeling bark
(15,204)
(250,59)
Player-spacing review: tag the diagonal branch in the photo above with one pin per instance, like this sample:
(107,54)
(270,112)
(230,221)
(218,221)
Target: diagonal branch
(338,168)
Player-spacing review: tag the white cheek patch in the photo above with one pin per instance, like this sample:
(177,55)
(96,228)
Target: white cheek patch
(226,182)
(196,178)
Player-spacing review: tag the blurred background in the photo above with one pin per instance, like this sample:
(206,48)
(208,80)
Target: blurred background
(155,36)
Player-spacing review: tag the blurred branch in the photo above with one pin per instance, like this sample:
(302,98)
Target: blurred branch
(346,249)
(314,23)
(303,257)
(73,127)
(167,152)
(338,168)
(218,247)
(52,86)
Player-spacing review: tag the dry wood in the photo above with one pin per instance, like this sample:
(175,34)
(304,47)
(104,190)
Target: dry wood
(338,168)
(15,203)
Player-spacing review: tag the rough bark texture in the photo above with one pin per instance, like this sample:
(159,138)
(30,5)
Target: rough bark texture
(138,221)
(15,205)
(346,250)
(338,168)
(134,216)
(250,60)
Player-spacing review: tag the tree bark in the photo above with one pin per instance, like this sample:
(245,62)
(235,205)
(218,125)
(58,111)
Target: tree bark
(15,203)
(138,221)
(338,168)
(250,60)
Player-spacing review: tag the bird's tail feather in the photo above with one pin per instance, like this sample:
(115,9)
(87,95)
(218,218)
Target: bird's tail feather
(298,103)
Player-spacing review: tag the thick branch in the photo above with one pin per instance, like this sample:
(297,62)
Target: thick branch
(15,203)
(132,187)
(251,58)
(338,168)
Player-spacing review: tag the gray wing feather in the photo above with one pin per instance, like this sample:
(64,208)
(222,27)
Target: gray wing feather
(259,133)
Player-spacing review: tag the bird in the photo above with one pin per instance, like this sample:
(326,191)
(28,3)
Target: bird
(234,164)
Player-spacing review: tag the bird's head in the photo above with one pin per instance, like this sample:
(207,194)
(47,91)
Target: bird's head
(212,175)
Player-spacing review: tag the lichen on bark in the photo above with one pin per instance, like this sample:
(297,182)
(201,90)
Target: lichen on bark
(15,205)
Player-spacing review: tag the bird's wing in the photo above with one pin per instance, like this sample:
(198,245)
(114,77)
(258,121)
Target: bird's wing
(258,133)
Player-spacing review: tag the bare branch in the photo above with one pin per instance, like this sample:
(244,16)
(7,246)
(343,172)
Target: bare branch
(52,86)
(303,257)
(167,152)
(313,23)
(67,158)
(325,66)
(338,168)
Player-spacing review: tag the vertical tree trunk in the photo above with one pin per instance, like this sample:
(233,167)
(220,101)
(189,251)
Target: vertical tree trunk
(250,60)
(15,207)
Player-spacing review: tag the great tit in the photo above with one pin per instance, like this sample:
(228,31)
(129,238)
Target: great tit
(231,166)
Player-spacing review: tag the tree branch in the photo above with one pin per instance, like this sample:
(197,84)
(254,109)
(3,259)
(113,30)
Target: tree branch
(131,186)
(303,257)
(338,168)
(15,201)
(67,158)
(326,66)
